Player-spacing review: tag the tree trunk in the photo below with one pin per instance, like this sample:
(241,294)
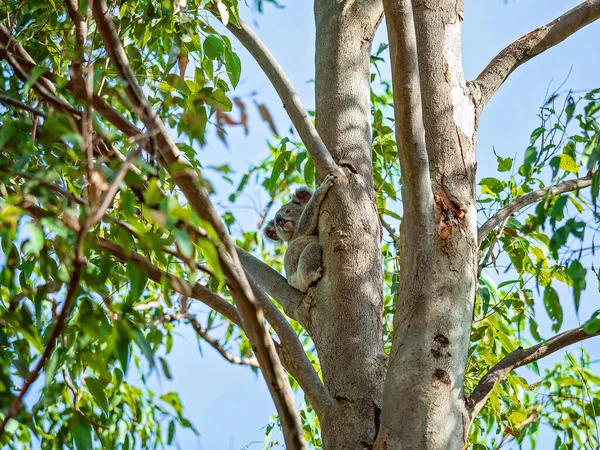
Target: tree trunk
(424,402)
(343,316)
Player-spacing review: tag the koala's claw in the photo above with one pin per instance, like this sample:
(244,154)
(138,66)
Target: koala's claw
(329,181)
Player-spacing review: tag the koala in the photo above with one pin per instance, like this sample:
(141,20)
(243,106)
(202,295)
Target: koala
(296,224)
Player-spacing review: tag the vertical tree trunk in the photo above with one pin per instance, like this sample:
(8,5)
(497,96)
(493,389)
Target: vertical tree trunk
(344,314)
(424,402)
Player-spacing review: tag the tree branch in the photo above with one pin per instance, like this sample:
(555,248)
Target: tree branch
(530,45)
(252,362)
(272,282)
(291,102)
(525,200)
(79,263)
(290,351)
(293,355)
(48,288)
(248,307)
(518,358)
(17,104)
(196,291)
(408,111)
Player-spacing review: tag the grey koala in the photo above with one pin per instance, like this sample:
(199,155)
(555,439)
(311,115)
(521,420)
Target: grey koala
(296,224)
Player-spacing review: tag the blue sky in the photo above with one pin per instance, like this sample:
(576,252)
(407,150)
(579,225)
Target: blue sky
(229,404)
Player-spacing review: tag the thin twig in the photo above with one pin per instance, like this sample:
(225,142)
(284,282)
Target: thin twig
(252,361)
(525,200)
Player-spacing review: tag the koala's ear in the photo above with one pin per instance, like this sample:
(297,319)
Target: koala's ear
(270,231)
(302,195)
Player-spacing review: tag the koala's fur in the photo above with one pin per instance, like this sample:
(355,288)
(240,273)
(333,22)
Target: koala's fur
(296,223)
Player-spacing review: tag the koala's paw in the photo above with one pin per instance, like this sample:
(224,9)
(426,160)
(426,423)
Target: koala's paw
(315,276)
(329,181)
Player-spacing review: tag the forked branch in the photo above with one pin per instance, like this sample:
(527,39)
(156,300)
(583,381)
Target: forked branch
(530,45)
(518,358)
(529,198)
(291,102)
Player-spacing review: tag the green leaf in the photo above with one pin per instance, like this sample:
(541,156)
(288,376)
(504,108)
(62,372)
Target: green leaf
(171,432)
(234,67)
(138,277)
(144,346)
(36,239)
(96,388)
(212,257)
(553,308)
(592,326)
(213,47)
(494,185)
(576,274)
(504,164)
(81,430)
(165,368)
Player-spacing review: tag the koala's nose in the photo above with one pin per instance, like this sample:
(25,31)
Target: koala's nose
(279,221)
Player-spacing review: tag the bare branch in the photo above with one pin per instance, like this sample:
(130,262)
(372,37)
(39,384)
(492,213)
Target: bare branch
(272,282)
(518,358)
(525,200)
(248,307)
(390,230)
(408,110)
(16,103)
(293,355)
(291,102)
(530,45)
(252,361)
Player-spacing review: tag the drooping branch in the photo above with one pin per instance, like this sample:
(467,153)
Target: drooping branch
(529,198)
(291,102)
(530,45)
(203,333)
(518,358)
(408,110)
(248,307)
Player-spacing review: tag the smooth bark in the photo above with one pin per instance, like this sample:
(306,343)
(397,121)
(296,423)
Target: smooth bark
(343,314)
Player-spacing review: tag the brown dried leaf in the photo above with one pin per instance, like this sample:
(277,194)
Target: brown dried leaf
(183,62)
(266,116)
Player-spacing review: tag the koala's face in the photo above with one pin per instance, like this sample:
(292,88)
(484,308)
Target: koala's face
(283,226)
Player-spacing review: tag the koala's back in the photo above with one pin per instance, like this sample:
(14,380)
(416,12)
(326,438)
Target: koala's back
(294,250)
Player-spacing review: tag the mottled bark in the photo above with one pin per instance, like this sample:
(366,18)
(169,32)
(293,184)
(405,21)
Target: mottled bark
(343,314)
